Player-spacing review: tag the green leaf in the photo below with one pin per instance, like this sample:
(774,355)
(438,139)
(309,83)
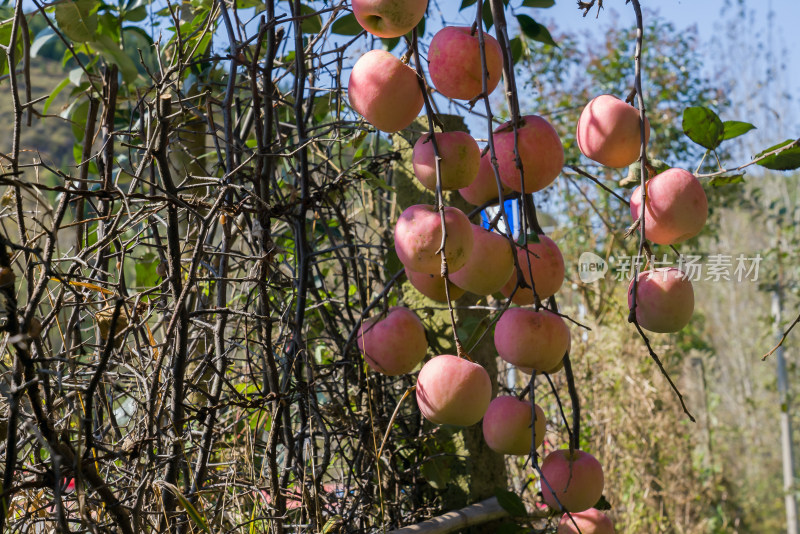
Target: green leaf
(602,504)
(477,333)
(60,87)
(511,503)
(733,129)
(729,179)
(787,160)
(538,3)
(634,177)
(392,262)
(190,510)
(322,106)
(114,56)
(312,24)
(466,3)
(390,43)
(533,237)
(41,39)
(258,5)
(376,182)
(77,119)
(77,19)
(333,524)
(488,21)
(346,25)
(133,4)
(5,39)
(534,30)
(358,139)
(146,271)
(75,76)
(136,14)
(516,49)
(436,471)
(77,152)
(703,126)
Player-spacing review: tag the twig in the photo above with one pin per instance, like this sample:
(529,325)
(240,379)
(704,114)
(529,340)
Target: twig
(439,196)
(643,240)
(782,339)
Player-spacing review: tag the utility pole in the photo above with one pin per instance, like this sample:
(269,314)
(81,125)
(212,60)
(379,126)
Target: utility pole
(786,422)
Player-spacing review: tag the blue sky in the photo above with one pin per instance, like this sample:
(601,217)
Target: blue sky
(779,31)
(707,15)
(769,31)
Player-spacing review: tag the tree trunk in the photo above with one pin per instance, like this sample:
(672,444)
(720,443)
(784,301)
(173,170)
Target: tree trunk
(477,471)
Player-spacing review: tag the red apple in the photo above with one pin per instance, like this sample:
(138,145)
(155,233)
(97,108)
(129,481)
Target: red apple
(384,91)
(527,338)
(393,345)
(664,300)
(389,18)
(609,133)
(592,521)
(507,426)
(677,207)
(460,155)
(576,480)
(540,151)
(453,391)
(484,187)
(418,236)
(545,261)
(489,265)
(432,286)
(559,366)
(454,62)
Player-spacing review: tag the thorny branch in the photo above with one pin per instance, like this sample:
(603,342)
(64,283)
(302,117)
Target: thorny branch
(642,233)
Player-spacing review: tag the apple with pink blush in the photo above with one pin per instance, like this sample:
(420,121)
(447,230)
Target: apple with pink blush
(460,159)
(389,18)
(454,62)
(418,237)
(384,91)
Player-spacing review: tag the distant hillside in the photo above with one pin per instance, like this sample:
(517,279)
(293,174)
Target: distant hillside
(52,135)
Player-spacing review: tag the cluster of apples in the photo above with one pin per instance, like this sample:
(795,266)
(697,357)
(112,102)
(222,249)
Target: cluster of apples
(383,89)
(453,390)
(386,91)
(450,389)
(676,209)
(456,391)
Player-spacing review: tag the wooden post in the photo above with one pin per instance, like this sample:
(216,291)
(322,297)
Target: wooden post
(787,452)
